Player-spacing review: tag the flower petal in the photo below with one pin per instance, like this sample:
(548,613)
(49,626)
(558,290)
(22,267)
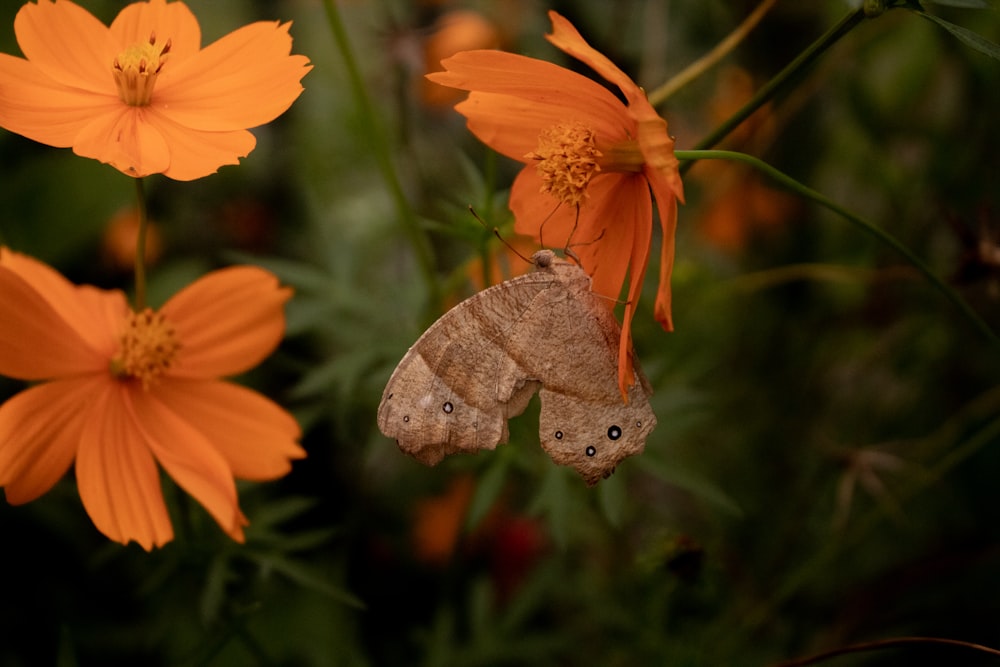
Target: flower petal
(666,204)
(245,79)
(198,153)
(511,125)
(190,459)
(530,79)
(642,215)
(95,315)
(116,474)
(36,106)
(227,321)
(657,146)
(36,342)
(39,433)
(601,234)
(167,21)
(124,139)
(68,44)
(565,37)
(255,436)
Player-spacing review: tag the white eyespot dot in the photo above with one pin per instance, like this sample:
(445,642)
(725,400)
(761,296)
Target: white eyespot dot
(559,435)
(614,432)
(406,418)
(591,450)
(448,407)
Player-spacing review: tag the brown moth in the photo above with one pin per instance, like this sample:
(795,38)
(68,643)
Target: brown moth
(480,363)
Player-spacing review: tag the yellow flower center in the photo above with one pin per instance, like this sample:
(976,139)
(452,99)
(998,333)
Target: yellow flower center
(148,348)
(567,158)
(135,70)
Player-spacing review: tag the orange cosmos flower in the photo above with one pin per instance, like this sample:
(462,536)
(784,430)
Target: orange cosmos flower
(590,162)
(121,392)
(142,95)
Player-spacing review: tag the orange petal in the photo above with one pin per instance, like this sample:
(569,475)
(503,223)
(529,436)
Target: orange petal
(641,213)
(126,141)
(602,233)
(657,146)
(168,21)
(35,341)
(39,432)
(116,474)
(565,37)
(68,44)
(243,80)
(666,204)
(95,315)
(190,459)
(196,153)
(530,79)
(40,108)
(227,321)
(510,125)
(255,436)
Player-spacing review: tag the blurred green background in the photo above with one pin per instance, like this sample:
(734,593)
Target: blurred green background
(825,467)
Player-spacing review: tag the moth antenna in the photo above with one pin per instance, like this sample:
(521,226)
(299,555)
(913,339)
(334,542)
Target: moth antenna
(496,233)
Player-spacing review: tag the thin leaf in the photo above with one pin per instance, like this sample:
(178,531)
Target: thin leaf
(966,36)
(612,497)
(694,484)
(305,576)
(487,491)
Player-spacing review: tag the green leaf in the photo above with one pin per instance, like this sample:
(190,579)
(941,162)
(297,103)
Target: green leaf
(966,36)
(487,491)
(305,576)
(612,497)
(693,483)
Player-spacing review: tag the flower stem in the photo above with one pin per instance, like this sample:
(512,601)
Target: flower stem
(140,246)
(718,52)
(768,90)
(380,148)
(808,193)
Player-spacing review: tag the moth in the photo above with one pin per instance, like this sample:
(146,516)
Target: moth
(481,362)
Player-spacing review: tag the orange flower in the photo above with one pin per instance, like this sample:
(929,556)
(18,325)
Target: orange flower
(457,30)
(590,162)
(142,95)
(122,391)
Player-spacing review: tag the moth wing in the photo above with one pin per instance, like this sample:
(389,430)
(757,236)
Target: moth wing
(584,422)
(594,436)
(454,389)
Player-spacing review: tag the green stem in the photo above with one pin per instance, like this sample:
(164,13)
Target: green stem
(713,57)
(791,184)
(140,246)
(768,90)
(380,148)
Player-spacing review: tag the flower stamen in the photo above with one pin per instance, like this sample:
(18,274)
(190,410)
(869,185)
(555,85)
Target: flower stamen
(135,70)
(148,348)
(567,158)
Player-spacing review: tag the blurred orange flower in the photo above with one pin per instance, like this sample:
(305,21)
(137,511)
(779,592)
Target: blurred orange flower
(123,391)
(457,30)
(142,95)
(437,521)
(118,243)
(590,162)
